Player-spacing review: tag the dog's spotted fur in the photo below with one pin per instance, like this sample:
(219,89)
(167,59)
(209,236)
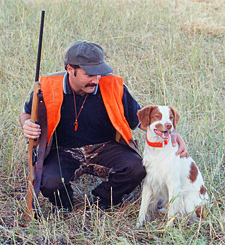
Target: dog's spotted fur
(177,181)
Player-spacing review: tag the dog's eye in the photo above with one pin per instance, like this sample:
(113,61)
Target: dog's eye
(171,117)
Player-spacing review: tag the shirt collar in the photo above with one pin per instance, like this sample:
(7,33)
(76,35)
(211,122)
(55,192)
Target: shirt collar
(66,86)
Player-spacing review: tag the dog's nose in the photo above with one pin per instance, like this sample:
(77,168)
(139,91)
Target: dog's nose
(168,125)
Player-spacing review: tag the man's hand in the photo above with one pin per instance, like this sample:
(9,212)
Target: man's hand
(31,130)
(176,138)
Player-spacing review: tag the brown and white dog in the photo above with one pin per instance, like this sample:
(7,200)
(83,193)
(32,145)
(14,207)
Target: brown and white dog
(177,181)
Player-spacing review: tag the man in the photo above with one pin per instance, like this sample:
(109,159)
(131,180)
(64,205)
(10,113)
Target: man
(87,109)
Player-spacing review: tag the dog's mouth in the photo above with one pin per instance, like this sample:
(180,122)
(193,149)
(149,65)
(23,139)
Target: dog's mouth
(163,134)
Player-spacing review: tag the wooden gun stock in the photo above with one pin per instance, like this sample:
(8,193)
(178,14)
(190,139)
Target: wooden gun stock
(32,155)
(33,144)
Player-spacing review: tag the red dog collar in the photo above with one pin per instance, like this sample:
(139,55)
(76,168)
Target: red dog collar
(157,144)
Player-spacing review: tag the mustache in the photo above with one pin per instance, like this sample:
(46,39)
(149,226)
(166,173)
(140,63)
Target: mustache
(90,85)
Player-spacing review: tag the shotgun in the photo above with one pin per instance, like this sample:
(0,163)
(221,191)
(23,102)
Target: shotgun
(33,144)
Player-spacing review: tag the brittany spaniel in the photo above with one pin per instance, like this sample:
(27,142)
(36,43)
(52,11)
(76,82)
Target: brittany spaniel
(177,181)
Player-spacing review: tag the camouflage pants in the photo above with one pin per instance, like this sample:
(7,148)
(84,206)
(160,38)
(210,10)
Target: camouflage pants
(120,164)
(85,156)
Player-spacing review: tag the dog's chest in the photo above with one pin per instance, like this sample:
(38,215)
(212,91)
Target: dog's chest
(161,162)
(159,156)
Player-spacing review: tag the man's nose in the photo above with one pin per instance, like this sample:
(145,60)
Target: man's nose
(95,79)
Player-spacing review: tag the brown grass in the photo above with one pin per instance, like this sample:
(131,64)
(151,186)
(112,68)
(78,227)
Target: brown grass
(168,52)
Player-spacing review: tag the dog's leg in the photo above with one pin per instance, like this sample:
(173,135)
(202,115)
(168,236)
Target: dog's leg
(146,196)
(195,205)
(190,207)
(175,202)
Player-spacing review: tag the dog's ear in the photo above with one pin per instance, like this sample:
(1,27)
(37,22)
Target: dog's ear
(176,117)
(144,115)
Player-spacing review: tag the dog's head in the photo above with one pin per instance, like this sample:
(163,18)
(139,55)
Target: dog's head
(160,119)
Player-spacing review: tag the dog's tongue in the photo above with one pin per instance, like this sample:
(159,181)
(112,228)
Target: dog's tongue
(163,135)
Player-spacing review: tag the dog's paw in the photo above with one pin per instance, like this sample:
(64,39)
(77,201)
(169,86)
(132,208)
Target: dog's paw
(139,224)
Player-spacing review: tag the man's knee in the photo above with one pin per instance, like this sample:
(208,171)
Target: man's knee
(51,184)
(135,169)
(138,173)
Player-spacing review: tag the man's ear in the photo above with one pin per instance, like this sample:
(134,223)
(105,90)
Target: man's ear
(176,117)
(144,115)
(71,70)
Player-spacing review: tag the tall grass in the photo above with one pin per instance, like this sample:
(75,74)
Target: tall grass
(168,52)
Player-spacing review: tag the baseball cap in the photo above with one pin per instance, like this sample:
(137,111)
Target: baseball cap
(89,56)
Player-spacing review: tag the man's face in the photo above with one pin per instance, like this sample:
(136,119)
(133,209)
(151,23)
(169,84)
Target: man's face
(82,83)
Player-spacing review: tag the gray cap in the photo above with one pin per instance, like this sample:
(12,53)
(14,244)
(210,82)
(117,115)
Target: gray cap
(89,56)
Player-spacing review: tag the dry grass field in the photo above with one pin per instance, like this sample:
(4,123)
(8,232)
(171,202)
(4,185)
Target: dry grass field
(168,52)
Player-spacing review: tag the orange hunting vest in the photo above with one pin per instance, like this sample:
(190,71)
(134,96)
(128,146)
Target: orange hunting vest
(111,88)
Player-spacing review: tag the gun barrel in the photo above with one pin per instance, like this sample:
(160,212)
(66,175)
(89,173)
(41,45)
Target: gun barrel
(32,143)
(40,45)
